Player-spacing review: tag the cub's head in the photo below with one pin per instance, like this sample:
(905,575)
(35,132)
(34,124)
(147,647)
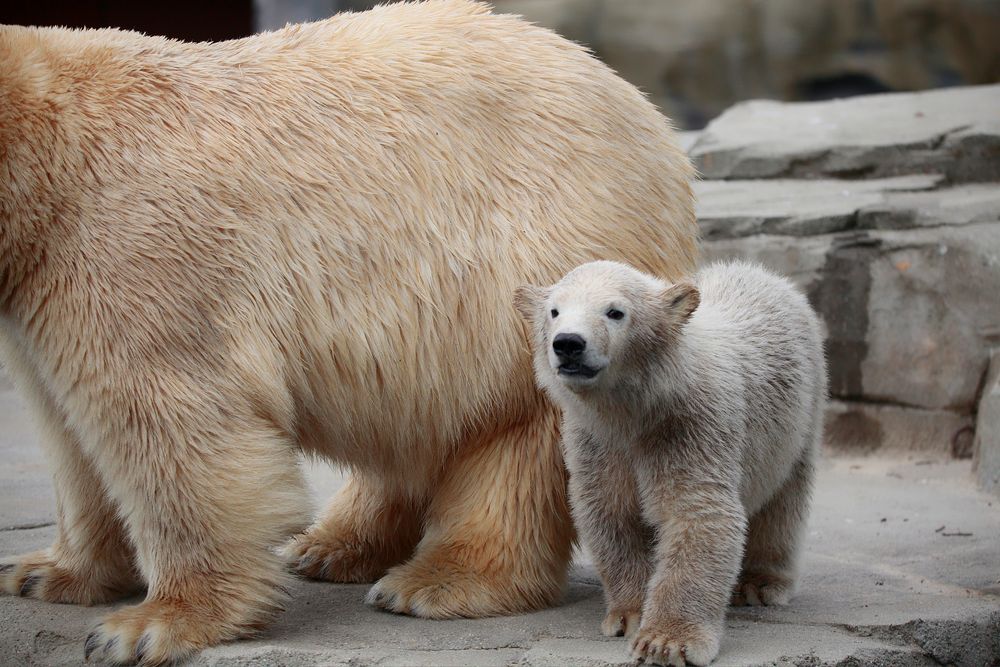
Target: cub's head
(601,324)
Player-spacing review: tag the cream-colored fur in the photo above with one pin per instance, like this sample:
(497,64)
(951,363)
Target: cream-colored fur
(692,417)
(215,256)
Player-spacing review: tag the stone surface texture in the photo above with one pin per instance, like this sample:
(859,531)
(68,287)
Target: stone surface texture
(952,131)
(886,211)
(987,438)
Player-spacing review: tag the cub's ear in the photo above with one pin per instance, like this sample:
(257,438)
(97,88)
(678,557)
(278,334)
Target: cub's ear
(680,301)
(528,300)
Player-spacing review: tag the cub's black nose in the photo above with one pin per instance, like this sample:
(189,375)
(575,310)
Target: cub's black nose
(570,346)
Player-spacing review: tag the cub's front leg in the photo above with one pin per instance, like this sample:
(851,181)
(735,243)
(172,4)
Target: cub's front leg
(608,516)
(701,525)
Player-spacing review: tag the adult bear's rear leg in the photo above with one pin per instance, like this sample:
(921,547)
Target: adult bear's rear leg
(369,526)
(498,534)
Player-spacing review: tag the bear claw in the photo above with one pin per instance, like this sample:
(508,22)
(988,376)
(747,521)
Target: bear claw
(140,647)
(90,645)
(620,622)
(384,600)
(30,583)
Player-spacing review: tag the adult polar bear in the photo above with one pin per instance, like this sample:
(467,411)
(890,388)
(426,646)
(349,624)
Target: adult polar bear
(214,256)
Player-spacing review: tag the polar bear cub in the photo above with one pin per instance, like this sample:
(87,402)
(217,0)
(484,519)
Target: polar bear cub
(692,414)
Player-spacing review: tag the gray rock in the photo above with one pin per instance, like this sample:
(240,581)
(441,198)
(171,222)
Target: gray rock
(955,132)
(932,308)
(802,259)
(961,205)
(909,314)
(903,264)
(987,446)
(860,427)
(730,209)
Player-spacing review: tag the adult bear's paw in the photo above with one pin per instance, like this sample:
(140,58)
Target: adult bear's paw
(442,584)
(445,592)
(318,556)
(39,575)
(161,631)
(152,633)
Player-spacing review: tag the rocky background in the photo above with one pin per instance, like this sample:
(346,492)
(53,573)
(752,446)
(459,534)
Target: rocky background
(886,210)
(696,58)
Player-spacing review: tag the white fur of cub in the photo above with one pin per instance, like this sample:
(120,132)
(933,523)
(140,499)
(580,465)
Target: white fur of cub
(692,415)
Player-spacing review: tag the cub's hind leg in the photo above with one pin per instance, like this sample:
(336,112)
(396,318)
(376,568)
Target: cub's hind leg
(91,560)
(774,538)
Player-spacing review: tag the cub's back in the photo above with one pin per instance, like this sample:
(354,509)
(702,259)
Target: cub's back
(764,313)
(775,342)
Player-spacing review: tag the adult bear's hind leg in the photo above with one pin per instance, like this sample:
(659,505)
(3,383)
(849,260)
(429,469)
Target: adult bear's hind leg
(369,526)
(498,534)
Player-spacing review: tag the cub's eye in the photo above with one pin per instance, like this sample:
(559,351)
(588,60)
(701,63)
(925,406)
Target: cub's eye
(554,312)
(615,314)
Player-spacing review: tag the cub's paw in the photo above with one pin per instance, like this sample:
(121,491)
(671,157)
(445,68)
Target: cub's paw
(761,589)
(675,642)
(330,559)
(621,622)
(38,575)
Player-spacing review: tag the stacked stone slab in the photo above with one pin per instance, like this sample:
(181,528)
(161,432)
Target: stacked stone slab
(886,210)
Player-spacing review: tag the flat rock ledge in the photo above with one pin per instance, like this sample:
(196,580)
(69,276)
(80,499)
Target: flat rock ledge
(952,131)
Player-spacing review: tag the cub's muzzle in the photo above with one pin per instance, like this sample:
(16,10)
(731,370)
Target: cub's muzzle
(569,346)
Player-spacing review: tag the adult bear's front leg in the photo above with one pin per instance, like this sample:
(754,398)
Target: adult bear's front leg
(498,533)
(208,487)
(90,561)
